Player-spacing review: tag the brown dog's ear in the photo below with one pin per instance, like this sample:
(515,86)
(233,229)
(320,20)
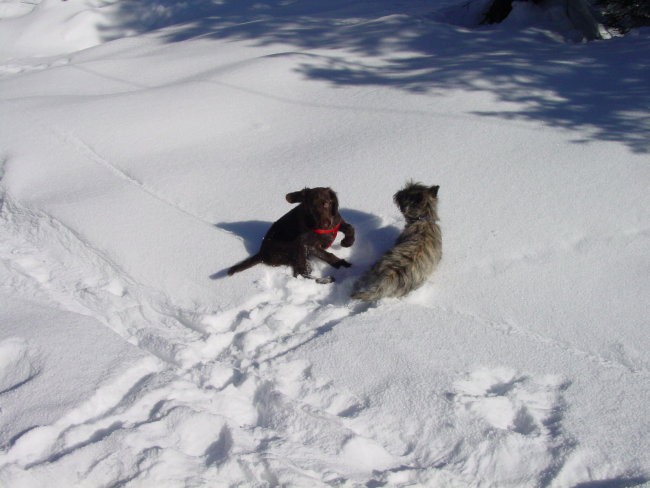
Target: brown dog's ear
(296,196)
(334,200)
(434,191)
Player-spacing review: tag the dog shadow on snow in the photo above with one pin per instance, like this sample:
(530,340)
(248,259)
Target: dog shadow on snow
(251,233)
(372,239)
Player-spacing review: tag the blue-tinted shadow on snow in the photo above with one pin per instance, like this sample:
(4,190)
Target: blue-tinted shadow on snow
(598,91)
(372,238)
(251,232)
(614,483)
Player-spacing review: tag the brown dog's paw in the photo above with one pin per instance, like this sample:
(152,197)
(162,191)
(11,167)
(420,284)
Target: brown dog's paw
(347,242)
(341,262)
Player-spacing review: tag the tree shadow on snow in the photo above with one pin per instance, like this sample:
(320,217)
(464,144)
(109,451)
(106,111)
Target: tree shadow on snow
(614,483)
(600,89)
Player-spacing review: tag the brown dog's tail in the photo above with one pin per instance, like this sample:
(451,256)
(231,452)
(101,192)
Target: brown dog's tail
(245,264)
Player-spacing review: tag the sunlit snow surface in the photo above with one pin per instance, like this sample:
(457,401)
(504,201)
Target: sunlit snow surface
(146,146)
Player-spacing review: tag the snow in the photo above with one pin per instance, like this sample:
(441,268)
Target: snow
(145,147)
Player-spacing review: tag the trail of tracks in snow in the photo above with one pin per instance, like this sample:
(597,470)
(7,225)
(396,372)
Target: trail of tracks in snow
(188,392)
(214,400)
(222,401)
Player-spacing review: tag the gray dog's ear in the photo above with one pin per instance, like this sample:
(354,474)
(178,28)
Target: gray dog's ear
(296,196)
(434,191)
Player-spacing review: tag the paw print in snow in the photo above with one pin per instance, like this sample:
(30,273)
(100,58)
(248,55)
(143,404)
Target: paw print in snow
(518,417)
(509,401)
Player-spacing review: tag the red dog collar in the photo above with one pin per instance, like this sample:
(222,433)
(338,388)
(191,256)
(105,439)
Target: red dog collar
(334,231)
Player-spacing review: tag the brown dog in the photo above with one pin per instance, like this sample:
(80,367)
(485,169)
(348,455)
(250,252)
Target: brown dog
(306,231)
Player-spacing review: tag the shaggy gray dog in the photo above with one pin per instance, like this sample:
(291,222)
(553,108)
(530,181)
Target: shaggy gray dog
(416,253)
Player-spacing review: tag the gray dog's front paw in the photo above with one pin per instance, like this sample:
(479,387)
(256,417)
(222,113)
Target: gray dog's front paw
(341,262)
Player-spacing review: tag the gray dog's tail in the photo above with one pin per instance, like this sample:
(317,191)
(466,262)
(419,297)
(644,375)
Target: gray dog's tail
(245,264)
(373,286)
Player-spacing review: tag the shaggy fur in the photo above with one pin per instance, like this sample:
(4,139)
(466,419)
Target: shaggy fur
(293,239)
(416,253)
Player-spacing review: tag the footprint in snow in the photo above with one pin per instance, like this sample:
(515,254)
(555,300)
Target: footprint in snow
(33,267)
(286,313)
(506,400)
(18,363)
(518,419)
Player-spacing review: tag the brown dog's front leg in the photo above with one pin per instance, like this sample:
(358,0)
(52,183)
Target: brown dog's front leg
(348,231)
(301,264)
(330,258)
(302,268)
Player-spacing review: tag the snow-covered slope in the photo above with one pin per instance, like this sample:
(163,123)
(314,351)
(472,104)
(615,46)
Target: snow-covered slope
(147,146)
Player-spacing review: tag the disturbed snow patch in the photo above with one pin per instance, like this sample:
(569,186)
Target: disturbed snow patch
(19,363)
